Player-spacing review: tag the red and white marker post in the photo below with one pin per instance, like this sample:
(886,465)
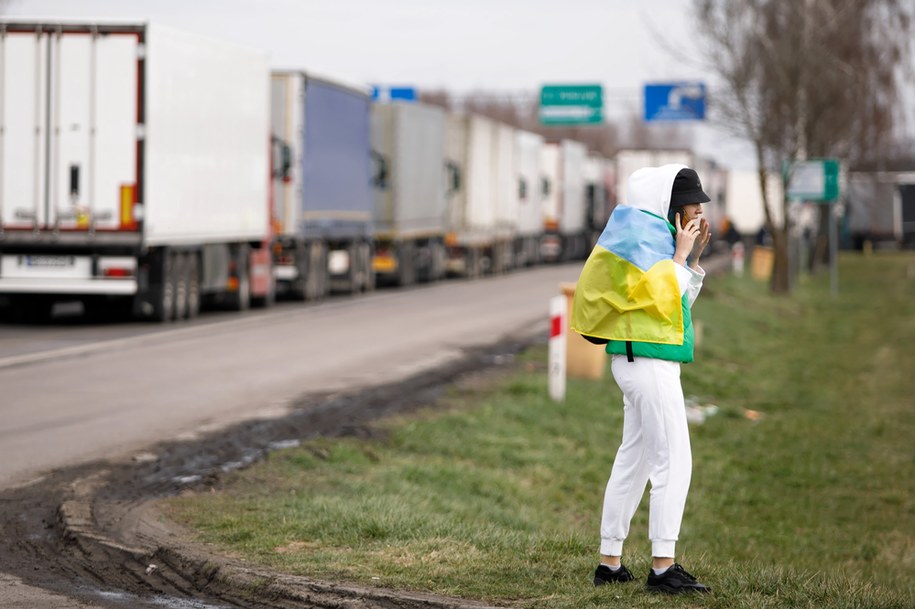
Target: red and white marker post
(557,349)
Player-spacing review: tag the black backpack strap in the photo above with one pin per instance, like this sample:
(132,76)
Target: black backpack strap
(629,351)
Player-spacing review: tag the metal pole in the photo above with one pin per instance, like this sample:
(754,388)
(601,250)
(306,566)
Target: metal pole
(833,252)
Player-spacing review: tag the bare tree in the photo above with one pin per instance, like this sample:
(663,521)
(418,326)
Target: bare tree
(806,78)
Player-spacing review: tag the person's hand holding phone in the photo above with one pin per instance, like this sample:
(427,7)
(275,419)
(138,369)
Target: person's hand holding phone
(687,233)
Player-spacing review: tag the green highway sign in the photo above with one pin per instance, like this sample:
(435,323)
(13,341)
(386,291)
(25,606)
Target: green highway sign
(571,104)
(814,180)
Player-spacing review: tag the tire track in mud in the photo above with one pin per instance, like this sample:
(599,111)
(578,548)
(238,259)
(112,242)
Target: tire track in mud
(93,532)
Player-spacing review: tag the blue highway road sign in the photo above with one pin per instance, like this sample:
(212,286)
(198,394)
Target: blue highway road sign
(382,93)
(676,101)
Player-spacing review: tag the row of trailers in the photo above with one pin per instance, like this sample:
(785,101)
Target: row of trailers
(160,171)
(442,194)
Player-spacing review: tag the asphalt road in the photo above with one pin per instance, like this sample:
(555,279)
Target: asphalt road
(72,393)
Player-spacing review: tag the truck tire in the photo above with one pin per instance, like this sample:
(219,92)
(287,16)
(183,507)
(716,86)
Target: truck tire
(356,269)
(533,246)
(179,262)
(192,280)
(365,259)
(322,274)
(164,294)
(298,287)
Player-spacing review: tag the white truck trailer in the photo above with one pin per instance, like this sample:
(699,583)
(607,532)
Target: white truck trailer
(744,201)
(530,197)
(597,205)
(505,195)
(134,168)
(565,231)
(471,214)
(880,208)
(408,143)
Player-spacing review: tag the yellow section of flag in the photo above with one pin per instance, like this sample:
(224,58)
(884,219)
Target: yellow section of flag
(616,300)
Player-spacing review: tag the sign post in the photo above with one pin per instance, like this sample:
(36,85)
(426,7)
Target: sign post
(818,180)
(571,104)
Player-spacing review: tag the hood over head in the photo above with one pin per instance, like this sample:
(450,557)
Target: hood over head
(650,188)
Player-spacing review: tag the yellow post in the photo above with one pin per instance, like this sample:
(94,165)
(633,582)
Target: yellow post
(584,360)
(761,262)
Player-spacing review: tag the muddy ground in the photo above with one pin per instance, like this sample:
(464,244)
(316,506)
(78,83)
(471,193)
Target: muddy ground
(94,532)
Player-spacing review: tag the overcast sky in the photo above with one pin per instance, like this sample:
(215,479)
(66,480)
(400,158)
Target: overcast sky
(459,45)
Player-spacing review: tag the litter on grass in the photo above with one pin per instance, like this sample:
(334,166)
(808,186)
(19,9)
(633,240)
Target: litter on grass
(697,412)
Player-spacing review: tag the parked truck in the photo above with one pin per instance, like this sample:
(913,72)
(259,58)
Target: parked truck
(744,201)
(880,208)
(597,204)
(134,169)
(323,198)
(505,195)
(408,143)
(479,236)
(530,197)
(565,231)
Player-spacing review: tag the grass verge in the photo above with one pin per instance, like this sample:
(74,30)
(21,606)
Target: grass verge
(803,491)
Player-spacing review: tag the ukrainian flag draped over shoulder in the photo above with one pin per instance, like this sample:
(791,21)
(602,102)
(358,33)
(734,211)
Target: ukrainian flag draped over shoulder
(628,288)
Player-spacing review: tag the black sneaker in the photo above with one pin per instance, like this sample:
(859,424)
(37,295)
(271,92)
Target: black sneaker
(606,575)
(674,581)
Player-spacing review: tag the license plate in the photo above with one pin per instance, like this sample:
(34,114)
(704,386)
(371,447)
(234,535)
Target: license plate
(47,262)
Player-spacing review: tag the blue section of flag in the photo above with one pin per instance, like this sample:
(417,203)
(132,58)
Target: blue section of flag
(638,237)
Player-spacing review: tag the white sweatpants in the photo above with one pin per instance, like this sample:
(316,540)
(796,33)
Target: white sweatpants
(655,447)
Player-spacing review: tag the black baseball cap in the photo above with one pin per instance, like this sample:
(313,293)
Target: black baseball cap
(687,189)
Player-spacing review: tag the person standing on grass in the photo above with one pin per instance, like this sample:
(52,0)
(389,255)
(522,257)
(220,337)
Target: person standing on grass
(634,295)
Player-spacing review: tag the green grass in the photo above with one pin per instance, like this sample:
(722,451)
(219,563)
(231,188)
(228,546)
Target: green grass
(495,493)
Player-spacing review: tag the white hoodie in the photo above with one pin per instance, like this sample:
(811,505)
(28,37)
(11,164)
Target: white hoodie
(649,190)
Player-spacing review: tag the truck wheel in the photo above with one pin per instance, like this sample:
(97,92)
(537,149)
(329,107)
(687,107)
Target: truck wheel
(510,260)
(322,274)
(365,258)
(356,269)
(533,246)
(298,288)
(179,262)
(192,280)
(164,305)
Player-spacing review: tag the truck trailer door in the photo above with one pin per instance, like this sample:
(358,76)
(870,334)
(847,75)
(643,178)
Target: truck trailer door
(69,129)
